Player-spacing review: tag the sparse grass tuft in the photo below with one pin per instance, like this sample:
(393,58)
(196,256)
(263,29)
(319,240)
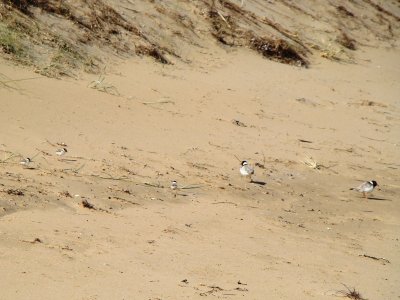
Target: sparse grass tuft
(10,42)
(104,87)
(311,163)
(350,293)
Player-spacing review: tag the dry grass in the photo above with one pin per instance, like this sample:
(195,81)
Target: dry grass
(104,87)
(311,163)
(10,42)
(350,293)
(278,49)
(336,53)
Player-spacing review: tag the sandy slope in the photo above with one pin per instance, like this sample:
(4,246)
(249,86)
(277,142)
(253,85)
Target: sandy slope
(298,237)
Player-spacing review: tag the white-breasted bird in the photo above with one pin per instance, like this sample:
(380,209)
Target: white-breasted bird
(246,170)
(366,187)
(174,186)
(61,151)
(25,161)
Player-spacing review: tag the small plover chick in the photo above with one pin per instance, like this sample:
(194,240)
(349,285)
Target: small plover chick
(246,170)
(61,151)
(366,187)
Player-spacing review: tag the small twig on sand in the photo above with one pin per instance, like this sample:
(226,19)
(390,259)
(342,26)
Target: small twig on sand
(224,202)
(237,158)
(36,240)
(76,170)
(305,141)
(110,178)
(159,102)
(125,201)
(50,143)
(376,258)
(190,186)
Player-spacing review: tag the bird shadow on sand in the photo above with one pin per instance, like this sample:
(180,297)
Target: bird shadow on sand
(378,199)
(258,182)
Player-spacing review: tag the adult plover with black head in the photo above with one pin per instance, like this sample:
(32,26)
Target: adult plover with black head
(25,161)
(366,187)
(246,170)
(174,187)
(61,151)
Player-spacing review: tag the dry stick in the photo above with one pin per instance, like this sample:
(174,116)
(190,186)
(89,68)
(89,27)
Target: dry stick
(159,102)
(124,200)
(225,202)
(223,19)
(109,178)
(191,186)
(54,145)
(35,155)
(13,80)
(68,159)
(76,170)
(36,240)
(375,258)
(237,158)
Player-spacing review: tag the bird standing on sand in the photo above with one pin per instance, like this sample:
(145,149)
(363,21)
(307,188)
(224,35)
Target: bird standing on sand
(366,187)
(174,186)
(246,170)
(25,161)
(61,151)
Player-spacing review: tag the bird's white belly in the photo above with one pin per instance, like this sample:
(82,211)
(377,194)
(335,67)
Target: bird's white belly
(243,171)
(368,189)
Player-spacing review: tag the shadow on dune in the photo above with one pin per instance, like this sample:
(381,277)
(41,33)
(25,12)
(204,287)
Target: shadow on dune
(258,182)
(378,199)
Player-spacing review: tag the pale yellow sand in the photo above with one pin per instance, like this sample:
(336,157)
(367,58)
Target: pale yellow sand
(300,236)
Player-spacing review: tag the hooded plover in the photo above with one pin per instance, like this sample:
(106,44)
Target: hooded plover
(174,187)
(246,170)
(366,187)
(61,151)
(25,161)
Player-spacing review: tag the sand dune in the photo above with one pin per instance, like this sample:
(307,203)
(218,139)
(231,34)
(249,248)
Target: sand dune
(101,221)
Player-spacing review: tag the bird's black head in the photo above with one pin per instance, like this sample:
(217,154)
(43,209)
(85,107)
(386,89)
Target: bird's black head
(244,162)
(374,183)
(65,149)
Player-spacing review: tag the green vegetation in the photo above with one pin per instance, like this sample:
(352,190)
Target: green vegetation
(10,42)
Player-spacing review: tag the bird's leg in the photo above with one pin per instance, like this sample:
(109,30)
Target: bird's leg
(365,195)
